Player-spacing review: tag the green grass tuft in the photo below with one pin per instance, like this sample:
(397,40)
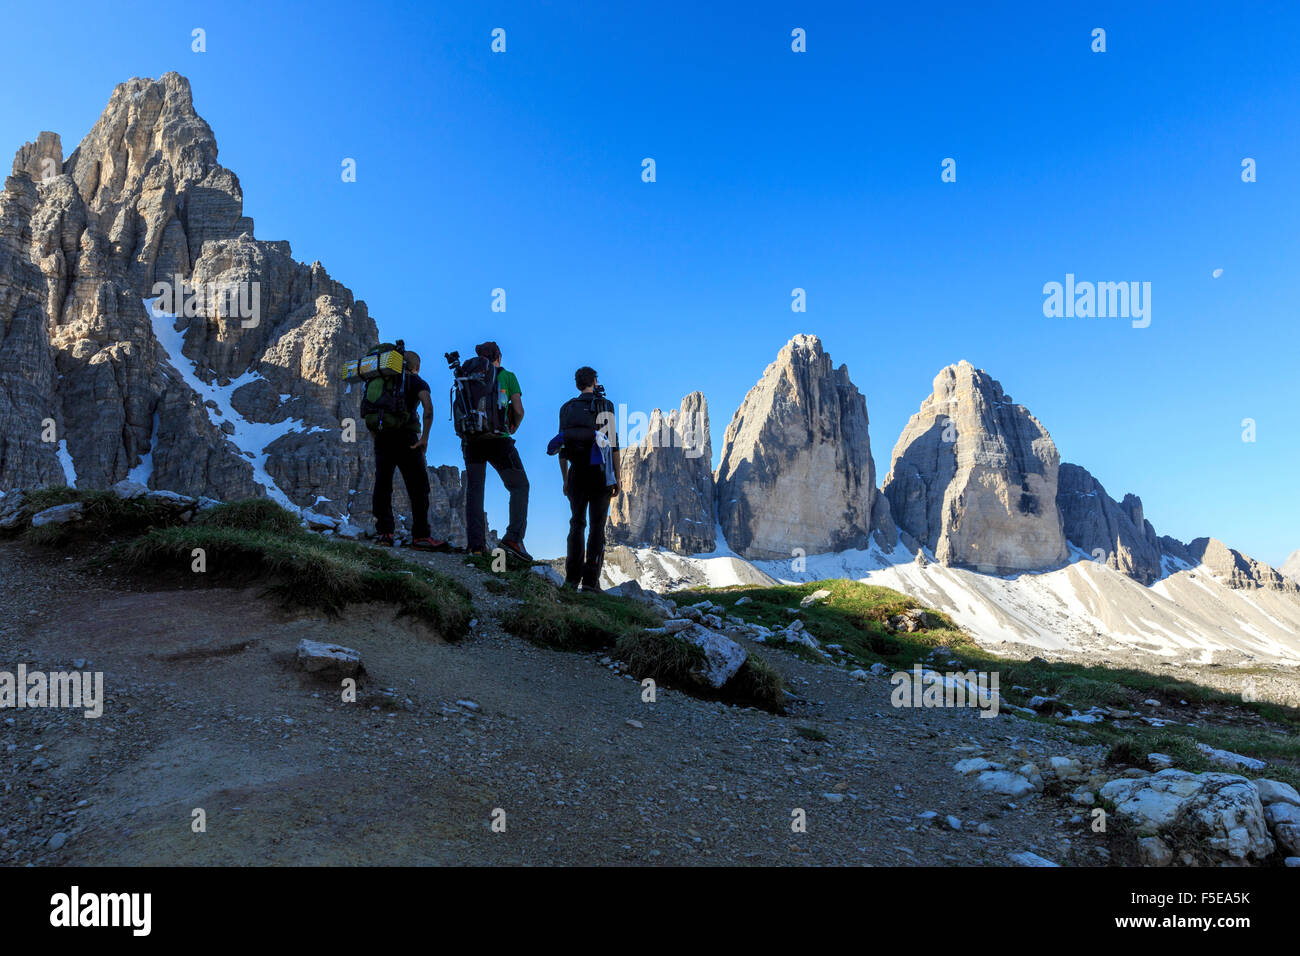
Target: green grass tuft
(302,570)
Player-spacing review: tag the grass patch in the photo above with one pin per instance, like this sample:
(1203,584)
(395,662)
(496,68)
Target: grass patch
(301,569)
(104,515)
(247,542)
(853,616)
(567,620)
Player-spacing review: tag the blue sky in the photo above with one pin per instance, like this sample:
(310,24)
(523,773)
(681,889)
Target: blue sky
(778,170)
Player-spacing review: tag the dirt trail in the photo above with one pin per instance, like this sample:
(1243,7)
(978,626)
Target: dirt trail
(205,711)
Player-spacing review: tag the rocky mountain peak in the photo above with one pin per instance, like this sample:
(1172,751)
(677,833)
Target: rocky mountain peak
(667,483)
(1291,567)
(227,386)
(796,468)
(974,478)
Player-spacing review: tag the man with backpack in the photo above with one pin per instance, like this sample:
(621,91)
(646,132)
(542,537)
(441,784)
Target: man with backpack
(487,411)
(388,406)
(589,468)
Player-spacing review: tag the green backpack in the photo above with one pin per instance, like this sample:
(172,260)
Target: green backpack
(383,402)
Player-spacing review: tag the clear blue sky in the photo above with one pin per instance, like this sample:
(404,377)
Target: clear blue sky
(775,170)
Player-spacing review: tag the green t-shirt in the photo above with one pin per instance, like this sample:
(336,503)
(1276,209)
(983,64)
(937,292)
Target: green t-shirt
(508,387)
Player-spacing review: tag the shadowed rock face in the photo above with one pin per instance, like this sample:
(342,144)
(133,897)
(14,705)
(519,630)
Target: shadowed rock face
(666,499)
(1095,523)
(796,468)
(974,478)
(143,200)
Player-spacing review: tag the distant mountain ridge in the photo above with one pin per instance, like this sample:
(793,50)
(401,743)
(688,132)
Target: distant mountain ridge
(975,482)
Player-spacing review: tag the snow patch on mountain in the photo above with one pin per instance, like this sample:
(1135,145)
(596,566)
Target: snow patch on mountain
(251,438)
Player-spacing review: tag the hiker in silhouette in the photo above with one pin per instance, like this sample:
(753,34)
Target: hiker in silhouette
(403,449)
(499,451)
(589,464)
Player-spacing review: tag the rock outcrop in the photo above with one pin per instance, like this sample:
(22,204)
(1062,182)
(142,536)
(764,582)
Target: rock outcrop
(666,498)
(796,468)
(1236,570)
(1291,567)
(974,478)
(1117,534)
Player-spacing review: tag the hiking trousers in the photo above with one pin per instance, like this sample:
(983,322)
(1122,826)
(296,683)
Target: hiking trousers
(393,451)
(501,454)
(589,499)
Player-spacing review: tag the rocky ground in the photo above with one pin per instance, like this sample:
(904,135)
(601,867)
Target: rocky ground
(205,711)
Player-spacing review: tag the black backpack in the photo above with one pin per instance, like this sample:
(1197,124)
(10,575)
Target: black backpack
(579,421)
(476,400)
(383,402)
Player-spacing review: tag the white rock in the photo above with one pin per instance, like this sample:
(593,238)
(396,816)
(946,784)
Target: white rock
(316,521)
(1005,782)
(1160,761)
(953,822)
(548,573)
(331,661)
(974,765)
(1227,758)
(741,602)
(858,674)
(1282,813)
(879,668)
(128,489)
(1025,858)
(1221,811)
(59,514)
(1274,791)
(811,599)
(724,656)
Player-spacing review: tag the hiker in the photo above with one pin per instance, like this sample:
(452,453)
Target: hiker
(589,468)
(497,448)
(400,442)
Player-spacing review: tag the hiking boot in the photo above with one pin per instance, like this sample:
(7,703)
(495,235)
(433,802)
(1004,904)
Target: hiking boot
(429,544)
(592,589)
(384,539)
(569,586)
(515,549)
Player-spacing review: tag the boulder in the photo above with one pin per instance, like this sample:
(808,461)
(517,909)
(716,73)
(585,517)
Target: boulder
(1006,783)
(128,489)
(1218,812)
(59,514)
(1275,791)
(328,661)
(723,655)
(810,599)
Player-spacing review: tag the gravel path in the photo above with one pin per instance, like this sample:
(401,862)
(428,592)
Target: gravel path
(204,711)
